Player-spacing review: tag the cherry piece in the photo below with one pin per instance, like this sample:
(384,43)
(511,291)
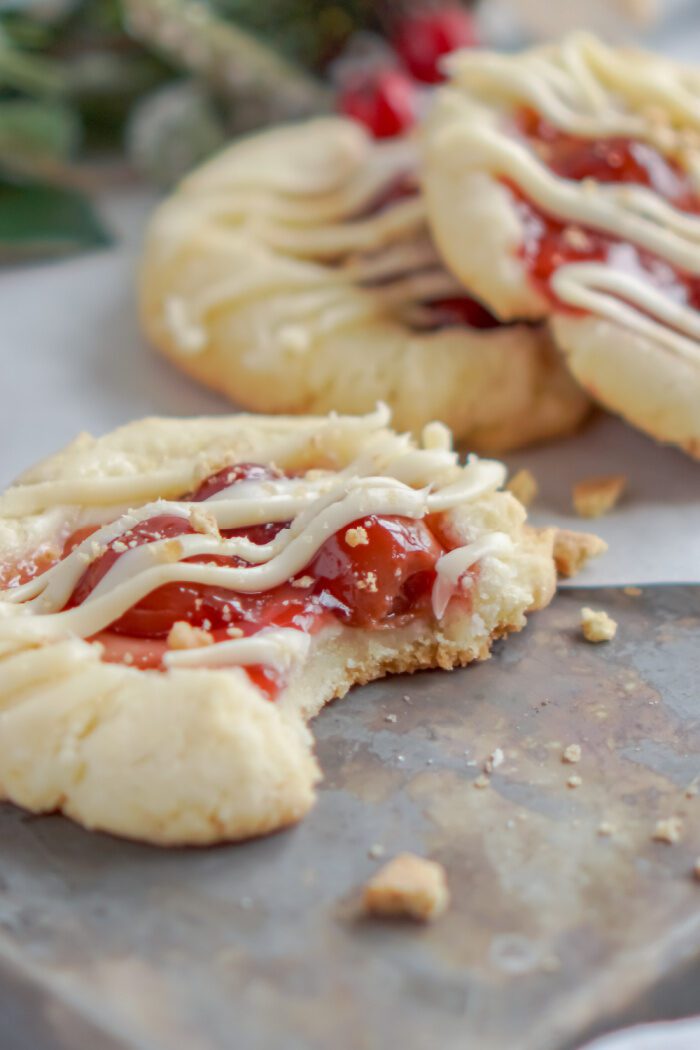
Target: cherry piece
(425,37)
(385,101)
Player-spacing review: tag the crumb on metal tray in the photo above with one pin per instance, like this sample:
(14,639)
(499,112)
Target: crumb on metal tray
(668,830)
(495,759)
(597,626)
(407,887)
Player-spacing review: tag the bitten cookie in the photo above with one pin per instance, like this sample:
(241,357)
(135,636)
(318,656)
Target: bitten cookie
(179,597)
(562,183)
(296,273)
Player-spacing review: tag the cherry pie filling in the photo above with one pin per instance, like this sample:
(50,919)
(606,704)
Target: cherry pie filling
(377,572)
(550,242)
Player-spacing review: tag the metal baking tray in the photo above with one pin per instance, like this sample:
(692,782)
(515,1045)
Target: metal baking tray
(554,930)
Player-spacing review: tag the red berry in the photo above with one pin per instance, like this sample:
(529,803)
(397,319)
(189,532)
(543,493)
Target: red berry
(423,38)
(385,102)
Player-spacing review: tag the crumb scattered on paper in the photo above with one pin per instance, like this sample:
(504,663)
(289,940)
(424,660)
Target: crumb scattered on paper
(376,851)
(572,753)
(597,626)
(574,781)
(606,829)
(408,887)
(524,487)
(482,781)
(594,497)
(572,550)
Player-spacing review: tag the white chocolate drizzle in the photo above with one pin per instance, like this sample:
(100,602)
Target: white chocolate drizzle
(390,478)
(314,236)
(591,91)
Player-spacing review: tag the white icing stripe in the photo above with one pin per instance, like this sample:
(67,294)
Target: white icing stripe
(585,87)
(591,91)
(451,567)
(601,291)
(318,506)
(282,648)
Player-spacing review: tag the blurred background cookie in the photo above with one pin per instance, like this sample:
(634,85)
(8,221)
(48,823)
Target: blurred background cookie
(295,272)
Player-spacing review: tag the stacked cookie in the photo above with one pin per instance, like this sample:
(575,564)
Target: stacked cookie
(550,200)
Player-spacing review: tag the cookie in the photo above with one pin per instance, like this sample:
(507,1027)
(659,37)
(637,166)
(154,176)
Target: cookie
(561,184)
(295,273)
(180,597)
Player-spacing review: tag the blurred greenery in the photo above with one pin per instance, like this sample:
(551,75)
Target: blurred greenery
(91,89)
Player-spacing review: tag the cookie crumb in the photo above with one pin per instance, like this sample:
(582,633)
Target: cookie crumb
(409,887)
(574,781)
(632,592)
(171,551)
(482,781)
(204,522)
(184,636)
(356,537)
(594,497)
(524,487)
(606,829)
(572,550)
(376,851)
(576,238)
(669,830)
(391,718)
(572,753)
(494,760)
(303,581)
(597,626)
(406,699)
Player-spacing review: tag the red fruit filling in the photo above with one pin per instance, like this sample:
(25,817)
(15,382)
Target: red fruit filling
(381,574)
(384,101)
(550,242)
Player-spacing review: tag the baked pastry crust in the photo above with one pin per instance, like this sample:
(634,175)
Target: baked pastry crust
(292,273)
(631,344)
(198,754)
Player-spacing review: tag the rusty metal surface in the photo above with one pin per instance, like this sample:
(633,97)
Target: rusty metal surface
(106,944)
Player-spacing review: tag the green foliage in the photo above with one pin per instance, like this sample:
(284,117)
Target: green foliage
(37,220)
(160,82)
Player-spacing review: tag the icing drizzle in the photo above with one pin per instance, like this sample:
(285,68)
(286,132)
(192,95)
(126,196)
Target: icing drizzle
(582,90)
(292,518)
